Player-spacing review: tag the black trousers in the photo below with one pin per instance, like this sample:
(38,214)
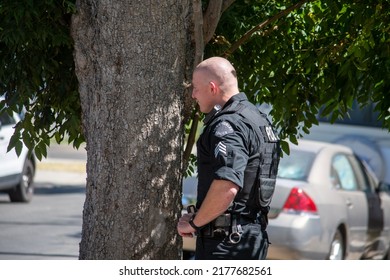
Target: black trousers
(252,246)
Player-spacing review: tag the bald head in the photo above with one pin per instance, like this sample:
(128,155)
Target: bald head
(214,82)
(220,71)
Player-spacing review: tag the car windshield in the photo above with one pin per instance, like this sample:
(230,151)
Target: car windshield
(295,166)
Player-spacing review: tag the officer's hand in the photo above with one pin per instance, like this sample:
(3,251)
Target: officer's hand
(186,217)
(183,227)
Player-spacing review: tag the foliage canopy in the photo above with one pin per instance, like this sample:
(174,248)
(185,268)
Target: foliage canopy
(314,60)
(37,72)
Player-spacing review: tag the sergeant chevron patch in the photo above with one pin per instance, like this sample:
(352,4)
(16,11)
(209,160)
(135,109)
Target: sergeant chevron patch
(220,148)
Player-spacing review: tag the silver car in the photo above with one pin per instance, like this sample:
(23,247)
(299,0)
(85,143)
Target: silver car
(328,205)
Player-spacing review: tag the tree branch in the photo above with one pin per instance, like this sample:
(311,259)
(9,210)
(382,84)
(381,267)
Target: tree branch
(211,19)
(191,137)
(189,103)
(198,32)
(226,4)
(249,34)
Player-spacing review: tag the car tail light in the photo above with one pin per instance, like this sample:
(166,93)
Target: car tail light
(299,201)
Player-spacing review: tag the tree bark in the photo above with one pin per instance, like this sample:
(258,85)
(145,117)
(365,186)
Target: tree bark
(131,61)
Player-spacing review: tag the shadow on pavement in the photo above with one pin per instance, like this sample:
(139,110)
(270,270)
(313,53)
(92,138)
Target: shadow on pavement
(47,189)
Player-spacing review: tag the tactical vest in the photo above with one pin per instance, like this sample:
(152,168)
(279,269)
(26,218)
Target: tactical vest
(260,173)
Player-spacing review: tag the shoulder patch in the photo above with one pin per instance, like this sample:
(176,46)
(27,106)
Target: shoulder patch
(222,129)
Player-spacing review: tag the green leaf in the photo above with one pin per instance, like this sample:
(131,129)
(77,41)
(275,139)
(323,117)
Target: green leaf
(293,139)
(285,147)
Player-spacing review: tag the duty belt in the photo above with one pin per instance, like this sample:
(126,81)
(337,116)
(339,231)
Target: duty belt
(226,225)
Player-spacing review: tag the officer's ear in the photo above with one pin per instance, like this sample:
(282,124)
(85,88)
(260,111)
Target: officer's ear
(214,87)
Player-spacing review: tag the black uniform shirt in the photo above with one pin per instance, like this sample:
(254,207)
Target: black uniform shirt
(225,147)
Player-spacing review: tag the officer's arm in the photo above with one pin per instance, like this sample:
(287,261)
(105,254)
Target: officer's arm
(218,199)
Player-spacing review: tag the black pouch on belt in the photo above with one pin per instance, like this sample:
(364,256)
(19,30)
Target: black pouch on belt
(222,221)
(219,227)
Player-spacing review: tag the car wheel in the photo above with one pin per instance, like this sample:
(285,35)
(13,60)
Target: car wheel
(24,191)
(337,247)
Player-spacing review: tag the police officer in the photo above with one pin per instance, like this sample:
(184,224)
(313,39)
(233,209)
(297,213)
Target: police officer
(238,156)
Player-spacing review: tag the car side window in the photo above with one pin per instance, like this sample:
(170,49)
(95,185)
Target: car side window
(343,172)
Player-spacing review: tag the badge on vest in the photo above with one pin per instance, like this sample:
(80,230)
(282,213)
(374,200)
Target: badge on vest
(269,132)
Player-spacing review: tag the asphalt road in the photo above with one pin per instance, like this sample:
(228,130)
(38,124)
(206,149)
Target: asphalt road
(49,227)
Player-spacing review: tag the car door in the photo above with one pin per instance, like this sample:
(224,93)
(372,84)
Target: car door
(355,203)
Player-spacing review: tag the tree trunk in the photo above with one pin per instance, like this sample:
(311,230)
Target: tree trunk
(131,62)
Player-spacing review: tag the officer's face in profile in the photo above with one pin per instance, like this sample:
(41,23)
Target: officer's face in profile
(202,92)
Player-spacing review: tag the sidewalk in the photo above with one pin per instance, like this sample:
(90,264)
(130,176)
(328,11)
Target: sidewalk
(57,172)
(67,165)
